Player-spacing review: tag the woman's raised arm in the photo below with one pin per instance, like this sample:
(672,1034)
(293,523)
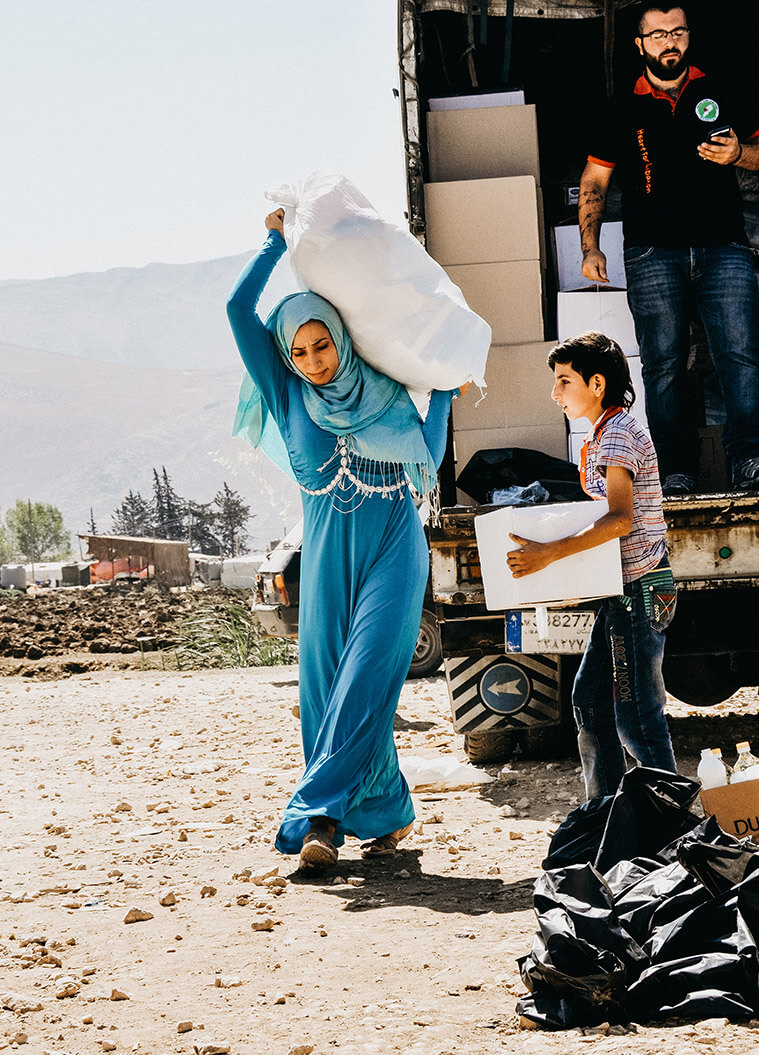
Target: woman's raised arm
(254,341)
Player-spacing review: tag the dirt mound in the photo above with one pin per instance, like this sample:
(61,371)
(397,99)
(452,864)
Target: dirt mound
(122,617)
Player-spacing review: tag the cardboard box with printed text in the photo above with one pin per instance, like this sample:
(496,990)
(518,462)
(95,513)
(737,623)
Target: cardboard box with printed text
(735,807)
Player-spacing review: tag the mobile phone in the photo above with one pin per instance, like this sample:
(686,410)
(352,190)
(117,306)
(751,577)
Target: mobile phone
(725,130)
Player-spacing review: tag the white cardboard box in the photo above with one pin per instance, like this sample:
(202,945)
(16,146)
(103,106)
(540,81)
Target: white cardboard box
(597,308)
(508,296)
(597,572)
(482,221)
(482,143)
(566,240)
(476,102)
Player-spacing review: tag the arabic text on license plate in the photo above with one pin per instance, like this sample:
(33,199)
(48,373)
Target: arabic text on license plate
(568,631)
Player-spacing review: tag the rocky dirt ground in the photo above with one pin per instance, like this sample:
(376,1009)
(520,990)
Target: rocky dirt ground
(122,617)
(154,796)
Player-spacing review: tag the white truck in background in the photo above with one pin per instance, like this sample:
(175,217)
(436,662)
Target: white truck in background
(508,688)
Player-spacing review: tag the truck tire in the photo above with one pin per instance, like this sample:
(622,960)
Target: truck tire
(700,681)
(428,652)
(496,745)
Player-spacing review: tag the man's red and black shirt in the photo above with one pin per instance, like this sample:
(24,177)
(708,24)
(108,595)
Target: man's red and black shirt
(671,197)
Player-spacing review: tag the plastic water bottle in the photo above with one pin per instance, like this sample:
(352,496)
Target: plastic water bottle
(711,772)
(717,751)
(752,773)
(745,758)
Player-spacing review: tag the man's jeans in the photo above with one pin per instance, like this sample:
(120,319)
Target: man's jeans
(618,694)
(662,286)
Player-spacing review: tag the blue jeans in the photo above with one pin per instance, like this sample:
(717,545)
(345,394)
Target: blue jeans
(618,694)
(662,287)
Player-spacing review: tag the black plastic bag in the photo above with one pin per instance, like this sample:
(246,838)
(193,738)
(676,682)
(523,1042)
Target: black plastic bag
(669,928)
(578,837)
(502,467)
(717,859)
(666,893)
(649,811)
(581,955)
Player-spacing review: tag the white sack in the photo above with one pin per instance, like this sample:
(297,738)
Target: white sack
(405,316)
(440,773)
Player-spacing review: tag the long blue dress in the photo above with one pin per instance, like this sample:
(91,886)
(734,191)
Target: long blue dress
(363,577)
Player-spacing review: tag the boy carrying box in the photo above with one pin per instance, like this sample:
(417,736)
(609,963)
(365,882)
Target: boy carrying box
(618,694)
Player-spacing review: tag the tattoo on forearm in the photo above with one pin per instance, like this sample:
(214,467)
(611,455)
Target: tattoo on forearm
(591,211)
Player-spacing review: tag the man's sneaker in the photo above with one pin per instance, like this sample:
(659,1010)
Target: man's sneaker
(678,484)
(746,475)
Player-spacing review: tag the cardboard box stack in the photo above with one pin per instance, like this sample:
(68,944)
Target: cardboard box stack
(484,226)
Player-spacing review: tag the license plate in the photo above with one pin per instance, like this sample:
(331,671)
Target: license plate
(568,631)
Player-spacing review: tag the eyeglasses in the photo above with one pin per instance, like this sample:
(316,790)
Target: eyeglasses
(660,35)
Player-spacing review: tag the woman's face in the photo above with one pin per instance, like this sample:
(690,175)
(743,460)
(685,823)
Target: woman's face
(314,353)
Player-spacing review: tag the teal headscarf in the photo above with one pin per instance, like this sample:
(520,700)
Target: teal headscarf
(360,402)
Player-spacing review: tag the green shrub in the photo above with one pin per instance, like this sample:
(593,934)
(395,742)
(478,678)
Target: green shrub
(226,633)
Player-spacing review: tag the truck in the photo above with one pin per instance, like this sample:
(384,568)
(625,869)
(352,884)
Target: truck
(492,96)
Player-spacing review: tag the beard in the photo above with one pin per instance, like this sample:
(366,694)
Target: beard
(665,71)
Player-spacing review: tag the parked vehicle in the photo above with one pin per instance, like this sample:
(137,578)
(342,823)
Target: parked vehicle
(507,689)
(276,605)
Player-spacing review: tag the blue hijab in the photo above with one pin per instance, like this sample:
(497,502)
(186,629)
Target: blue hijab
(375,411)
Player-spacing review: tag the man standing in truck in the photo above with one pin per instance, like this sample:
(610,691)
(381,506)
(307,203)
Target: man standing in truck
(674,142)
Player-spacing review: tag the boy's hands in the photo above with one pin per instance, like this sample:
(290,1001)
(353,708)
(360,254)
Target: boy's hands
(275,221)
(532,557)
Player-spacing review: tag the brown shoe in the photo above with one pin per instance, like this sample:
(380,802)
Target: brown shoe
(318,851)
(385,845)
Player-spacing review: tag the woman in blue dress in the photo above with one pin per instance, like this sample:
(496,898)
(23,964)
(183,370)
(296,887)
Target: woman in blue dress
(353,440)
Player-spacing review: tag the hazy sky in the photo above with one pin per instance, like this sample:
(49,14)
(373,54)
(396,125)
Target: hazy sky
(135,131)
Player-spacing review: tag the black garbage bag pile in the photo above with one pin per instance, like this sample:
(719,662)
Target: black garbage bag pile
(644,911)
(504,467)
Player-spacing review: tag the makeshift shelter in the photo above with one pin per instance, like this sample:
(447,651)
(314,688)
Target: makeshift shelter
(164,560)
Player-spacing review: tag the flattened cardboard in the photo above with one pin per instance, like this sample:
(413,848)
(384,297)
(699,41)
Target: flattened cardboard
(483,143)
(482,221)
(508,296)
(736,808)
(518,390)
(596,572)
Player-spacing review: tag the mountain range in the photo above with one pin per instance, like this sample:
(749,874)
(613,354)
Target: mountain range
(105,376)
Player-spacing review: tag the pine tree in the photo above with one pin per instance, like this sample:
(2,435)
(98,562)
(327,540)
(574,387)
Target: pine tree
(133,517)
(168,507)
(92,525)
(232,518)
(202,528)
(159,507)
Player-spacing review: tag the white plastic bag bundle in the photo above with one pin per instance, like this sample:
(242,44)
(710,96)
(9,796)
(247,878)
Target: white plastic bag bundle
(405,316)
(440,773)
